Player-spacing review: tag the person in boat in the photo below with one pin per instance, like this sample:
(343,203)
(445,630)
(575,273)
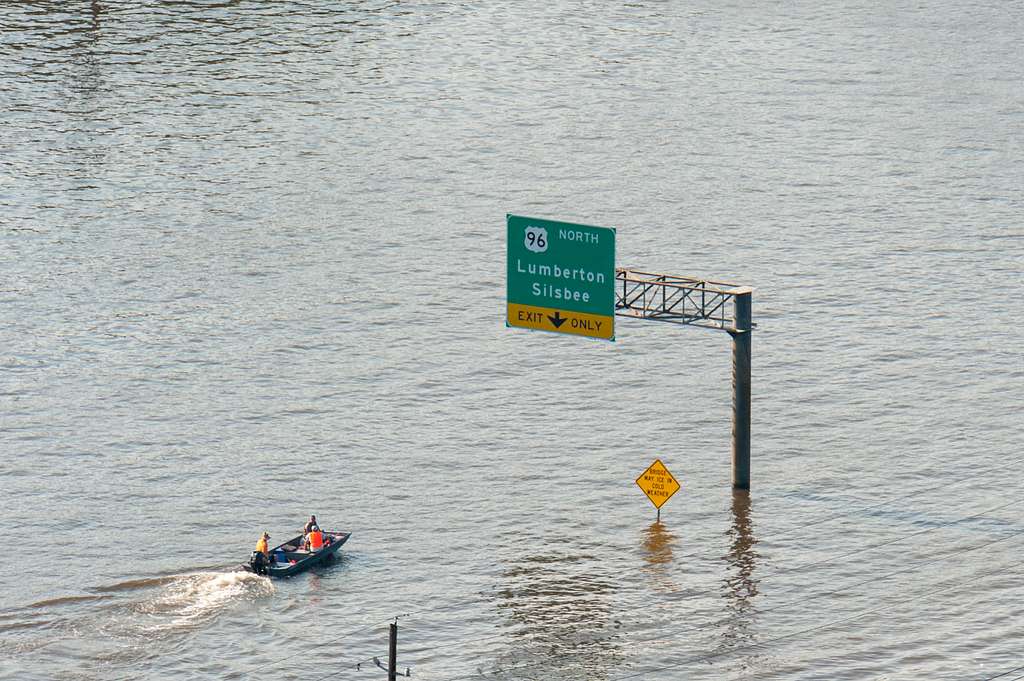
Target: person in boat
(315,539)
(261,556)
(310,525)
(262,547)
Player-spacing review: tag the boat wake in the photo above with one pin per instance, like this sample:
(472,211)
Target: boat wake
(131,611)
(194,599)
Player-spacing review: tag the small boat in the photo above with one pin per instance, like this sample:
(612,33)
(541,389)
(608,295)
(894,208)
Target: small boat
(290,558)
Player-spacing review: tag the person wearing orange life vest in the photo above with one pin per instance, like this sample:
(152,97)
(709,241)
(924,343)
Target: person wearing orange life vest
(316,539)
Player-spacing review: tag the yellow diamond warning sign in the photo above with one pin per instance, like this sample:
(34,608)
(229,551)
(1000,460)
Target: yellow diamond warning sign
(657,483)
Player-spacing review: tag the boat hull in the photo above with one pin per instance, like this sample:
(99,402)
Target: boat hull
(288,559)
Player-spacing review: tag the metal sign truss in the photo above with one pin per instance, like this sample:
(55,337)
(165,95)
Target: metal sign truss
(682,300)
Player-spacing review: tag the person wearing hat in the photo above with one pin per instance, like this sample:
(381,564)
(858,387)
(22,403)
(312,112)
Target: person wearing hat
(315,539)
(261,545)
(260,558)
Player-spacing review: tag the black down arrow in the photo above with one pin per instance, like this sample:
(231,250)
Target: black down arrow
(558,319)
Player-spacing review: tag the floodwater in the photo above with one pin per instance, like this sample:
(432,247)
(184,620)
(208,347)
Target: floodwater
(252,268)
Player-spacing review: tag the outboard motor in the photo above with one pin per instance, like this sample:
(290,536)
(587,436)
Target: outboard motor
(258,562)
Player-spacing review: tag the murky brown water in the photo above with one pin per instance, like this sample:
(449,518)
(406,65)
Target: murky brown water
(252,267)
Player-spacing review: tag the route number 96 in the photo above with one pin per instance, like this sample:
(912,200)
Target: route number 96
(536,239)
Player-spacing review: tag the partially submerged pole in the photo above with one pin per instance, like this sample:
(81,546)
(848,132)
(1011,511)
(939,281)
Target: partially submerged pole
(393,652)
(741,338)
(690,301)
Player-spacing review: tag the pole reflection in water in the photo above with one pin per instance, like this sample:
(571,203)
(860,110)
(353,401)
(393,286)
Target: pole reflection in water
(740,586)
(658,541)
(560,603)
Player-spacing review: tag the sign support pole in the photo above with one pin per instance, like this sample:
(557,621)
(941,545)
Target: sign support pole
(741,337)
(688,301)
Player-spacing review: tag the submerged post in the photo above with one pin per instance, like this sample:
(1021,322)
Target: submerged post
(393,652)
(741,341)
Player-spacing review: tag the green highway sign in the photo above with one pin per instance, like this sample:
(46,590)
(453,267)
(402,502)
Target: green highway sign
(561,277)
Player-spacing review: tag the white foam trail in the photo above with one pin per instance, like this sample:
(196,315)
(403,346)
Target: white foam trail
(196,598)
